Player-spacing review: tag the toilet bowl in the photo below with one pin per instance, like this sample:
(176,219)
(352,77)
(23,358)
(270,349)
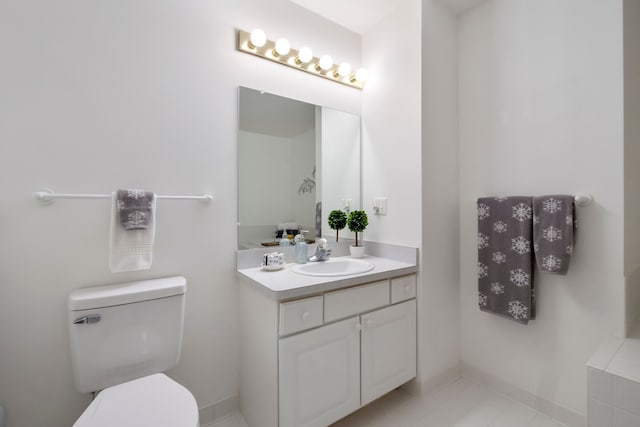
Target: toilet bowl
(152,401)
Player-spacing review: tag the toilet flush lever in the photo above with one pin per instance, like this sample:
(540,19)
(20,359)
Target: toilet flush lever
(85,320)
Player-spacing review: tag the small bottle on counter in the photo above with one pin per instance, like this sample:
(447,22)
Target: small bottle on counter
(285,239)
(301,247)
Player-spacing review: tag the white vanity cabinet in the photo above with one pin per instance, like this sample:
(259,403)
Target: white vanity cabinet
(311,361)
(388,349)
(319,374)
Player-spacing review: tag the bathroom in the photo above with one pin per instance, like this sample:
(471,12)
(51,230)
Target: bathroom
(465,99)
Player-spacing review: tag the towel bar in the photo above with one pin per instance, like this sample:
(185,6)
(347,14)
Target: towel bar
(583,199)
(47,197)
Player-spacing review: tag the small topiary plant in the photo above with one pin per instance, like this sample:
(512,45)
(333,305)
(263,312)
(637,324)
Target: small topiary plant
(357,222)
(337,221)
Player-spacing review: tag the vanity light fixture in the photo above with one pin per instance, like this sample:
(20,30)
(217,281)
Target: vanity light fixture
(282,47)
(344,70)
(305,55)
(360,76)
(257,39)
(324,64)
(256,43)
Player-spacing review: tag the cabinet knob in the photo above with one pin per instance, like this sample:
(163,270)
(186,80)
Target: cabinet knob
(305,316)
(406,289)
(369,323)
(358,326)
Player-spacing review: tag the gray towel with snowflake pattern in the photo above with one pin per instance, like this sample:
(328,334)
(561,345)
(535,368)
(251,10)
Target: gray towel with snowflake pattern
(505,258)
(135,208)
(553,219)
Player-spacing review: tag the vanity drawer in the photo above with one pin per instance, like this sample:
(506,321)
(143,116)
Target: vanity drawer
(347,302)
(403,288)
(300,314)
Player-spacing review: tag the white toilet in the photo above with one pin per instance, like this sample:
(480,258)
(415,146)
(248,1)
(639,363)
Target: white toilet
(122,337)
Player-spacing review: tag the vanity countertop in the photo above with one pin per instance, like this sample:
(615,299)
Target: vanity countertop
(286,284)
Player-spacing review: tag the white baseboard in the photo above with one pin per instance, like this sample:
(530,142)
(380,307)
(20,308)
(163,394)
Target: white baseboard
(416,387)
(441,380)
(210,413)
(551,409)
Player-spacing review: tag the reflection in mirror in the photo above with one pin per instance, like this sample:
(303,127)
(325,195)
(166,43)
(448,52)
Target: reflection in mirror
(296,163)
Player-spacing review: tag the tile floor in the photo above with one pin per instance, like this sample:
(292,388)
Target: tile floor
(232,420)
(461,404)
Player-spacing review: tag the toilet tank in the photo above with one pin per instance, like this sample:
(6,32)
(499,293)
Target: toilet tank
(126,331)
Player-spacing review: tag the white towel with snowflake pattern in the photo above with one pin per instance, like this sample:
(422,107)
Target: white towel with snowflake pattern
(132,249)
(505,258)
(553,220)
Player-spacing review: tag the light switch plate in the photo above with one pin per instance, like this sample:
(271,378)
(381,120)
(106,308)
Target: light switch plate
(380,206)
(346,205)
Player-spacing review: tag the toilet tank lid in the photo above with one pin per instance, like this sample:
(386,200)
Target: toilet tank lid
(126,293)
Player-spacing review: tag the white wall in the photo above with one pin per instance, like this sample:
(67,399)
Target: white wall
(265,196)
(303,152)
(540,100)
(440,259)
(391,126)
(340,149)
(632,157)
(272,170)
(102,95)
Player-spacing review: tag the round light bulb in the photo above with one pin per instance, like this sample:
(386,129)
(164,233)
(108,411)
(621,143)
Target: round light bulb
(282,46)
(304,55)
(258,38)
(344,69)
(362,75)
(326,62)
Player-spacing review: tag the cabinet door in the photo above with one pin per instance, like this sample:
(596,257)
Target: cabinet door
(319,375)
(388,349)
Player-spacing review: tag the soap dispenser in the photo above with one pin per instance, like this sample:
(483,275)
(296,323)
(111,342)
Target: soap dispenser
(301,247)
(285,239)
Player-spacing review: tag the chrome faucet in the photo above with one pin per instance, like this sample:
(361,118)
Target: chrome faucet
(322,252)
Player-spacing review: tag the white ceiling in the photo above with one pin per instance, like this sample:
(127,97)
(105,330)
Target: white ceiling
(356,15)
(360,15)
(274,115)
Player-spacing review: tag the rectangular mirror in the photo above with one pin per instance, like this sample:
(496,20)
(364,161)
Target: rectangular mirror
(296,163)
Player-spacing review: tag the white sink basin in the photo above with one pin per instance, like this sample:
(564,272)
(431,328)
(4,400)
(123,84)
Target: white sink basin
(334,267)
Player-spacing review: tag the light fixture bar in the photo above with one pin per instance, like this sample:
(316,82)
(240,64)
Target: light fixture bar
(268,51)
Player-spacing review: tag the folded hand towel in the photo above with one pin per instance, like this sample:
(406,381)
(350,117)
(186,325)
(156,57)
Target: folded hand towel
(505,260)
(553,232)
(135,208)
(131,249)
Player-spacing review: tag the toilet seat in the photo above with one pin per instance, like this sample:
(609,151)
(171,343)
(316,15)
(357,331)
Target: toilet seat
(152,401)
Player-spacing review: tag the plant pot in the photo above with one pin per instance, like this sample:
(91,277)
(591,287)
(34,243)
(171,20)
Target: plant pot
(356,251)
